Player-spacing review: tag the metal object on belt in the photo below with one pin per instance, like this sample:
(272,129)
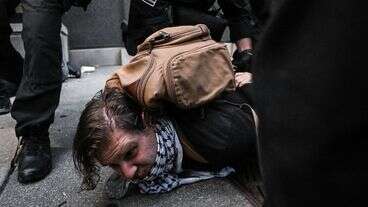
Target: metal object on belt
(150,2)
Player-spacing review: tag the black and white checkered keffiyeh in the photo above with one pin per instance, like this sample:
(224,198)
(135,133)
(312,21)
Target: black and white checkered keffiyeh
(164,175)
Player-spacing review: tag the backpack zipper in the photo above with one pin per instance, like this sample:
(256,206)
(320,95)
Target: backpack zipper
(143,81)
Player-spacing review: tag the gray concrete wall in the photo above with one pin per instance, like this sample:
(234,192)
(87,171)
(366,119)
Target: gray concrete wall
(97,27)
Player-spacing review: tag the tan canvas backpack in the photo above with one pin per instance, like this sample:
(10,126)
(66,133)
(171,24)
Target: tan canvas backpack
(182,65)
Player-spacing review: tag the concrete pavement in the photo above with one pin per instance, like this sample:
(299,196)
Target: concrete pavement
(61,187)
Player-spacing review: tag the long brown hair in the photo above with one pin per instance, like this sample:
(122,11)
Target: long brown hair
(106,111)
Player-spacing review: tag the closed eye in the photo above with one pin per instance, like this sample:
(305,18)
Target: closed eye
(130,154)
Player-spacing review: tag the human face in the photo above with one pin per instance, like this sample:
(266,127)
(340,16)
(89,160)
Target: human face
(130,154)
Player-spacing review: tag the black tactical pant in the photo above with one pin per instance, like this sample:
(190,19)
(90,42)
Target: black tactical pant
(38,94)
(11,62)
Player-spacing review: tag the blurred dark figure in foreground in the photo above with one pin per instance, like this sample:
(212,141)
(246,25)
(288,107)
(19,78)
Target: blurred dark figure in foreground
(11,62)
(311,98)
(237,14)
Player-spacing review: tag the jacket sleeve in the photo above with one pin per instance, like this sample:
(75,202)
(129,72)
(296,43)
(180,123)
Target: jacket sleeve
(241,20)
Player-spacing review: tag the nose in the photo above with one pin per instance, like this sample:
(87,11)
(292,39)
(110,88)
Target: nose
(128,169)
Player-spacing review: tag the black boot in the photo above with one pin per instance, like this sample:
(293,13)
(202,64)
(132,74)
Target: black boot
(4,105)
(34,162)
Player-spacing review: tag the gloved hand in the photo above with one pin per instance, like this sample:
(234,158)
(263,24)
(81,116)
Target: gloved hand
(242,60)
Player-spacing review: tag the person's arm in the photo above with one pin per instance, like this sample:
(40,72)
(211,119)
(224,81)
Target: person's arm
(243,78)
(244,44)
(240,19)
(243,28)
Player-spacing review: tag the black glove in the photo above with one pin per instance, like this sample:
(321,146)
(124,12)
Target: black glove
(242,60)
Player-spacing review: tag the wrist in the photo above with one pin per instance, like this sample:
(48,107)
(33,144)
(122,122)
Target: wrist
(244,44)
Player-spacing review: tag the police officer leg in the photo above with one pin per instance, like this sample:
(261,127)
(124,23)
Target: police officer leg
(38,94)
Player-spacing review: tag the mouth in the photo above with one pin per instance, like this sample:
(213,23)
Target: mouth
(141,173)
